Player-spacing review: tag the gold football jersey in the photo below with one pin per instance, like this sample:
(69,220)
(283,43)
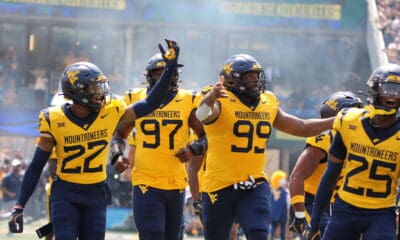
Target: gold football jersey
(131,96)
(82,146)
(371,165)
(237,141)
(321,141)
(135,94)
(158,137)
(131,139)
(193,137)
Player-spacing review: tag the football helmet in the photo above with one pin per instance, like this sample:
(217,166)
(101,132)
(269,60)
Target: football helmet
(234,69)
(85,84)
(384,87)
(157,62)
(338,100)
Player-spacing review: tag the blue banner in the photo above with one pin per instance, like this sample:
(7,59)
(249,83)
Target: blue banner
(19,122)
(303,14)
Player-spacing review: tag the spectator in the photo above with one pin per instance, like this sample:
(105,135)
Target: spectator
(14,72)
(279,204)
(40,85)
(4,168)
(11,97)
(10,185)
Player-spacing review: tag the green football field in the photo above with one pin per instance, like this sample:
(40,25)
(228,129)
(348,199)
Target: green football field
(29,232)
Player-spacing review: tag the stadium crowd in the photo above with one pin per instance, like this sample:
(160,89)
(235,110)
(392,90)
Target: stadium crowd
(389,23)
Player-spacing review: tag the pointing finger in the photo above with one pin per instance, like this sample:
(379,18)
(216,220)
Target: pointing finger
(222,79)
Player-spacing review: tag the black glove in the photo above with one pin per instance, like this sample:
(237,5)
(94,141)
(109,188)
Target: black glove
(246,185)
(171,55)
(312,233)
(298,225)
(45,231)
(197,208)
(16,223)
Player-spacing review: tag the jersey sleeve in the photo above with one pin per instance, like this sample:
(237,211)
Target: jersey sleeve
(128,97)
(44,126)
(337,124)
(338,148)
(196,99)
(320,141)
(132,139)
(119,105)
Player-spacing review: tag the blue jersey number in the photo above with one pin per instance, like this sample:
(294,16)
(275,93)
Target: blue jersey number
(154,125)
(245,129)
(373,174)
(79,151)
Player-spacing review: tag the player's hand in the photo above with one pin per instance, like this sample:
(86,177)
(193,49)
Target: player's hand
(197,208)
(171,55)
(312,233)
(218,90)
(16,223)
(298,225)
(121,164)
(184,154)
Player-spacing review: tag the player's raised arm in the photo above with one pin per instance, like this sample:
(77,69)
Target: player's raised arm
(139,109)
(209,108)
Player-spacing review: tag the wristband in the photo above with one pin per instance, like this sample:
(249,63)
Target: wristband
(199,147)
(297,199)
(300,214)
(117,148)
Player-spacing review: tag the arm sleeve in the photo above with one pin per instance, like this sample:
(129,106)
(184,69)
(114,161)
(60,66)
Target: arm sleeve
(337,148)
(32,175)
(156,95)
(325,191)
(199,147)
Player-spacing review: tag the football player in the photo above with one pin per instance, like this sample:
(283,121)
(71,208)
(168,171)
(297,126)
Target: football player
(311,163)
(365,151)
(161,147)
(196,168)
(50,173)
(238,116)
(80,133)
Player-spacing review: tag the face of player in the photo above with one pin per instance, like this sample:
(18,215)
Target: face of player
(252,80)
(389,95)
(156,74)
(98,94)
